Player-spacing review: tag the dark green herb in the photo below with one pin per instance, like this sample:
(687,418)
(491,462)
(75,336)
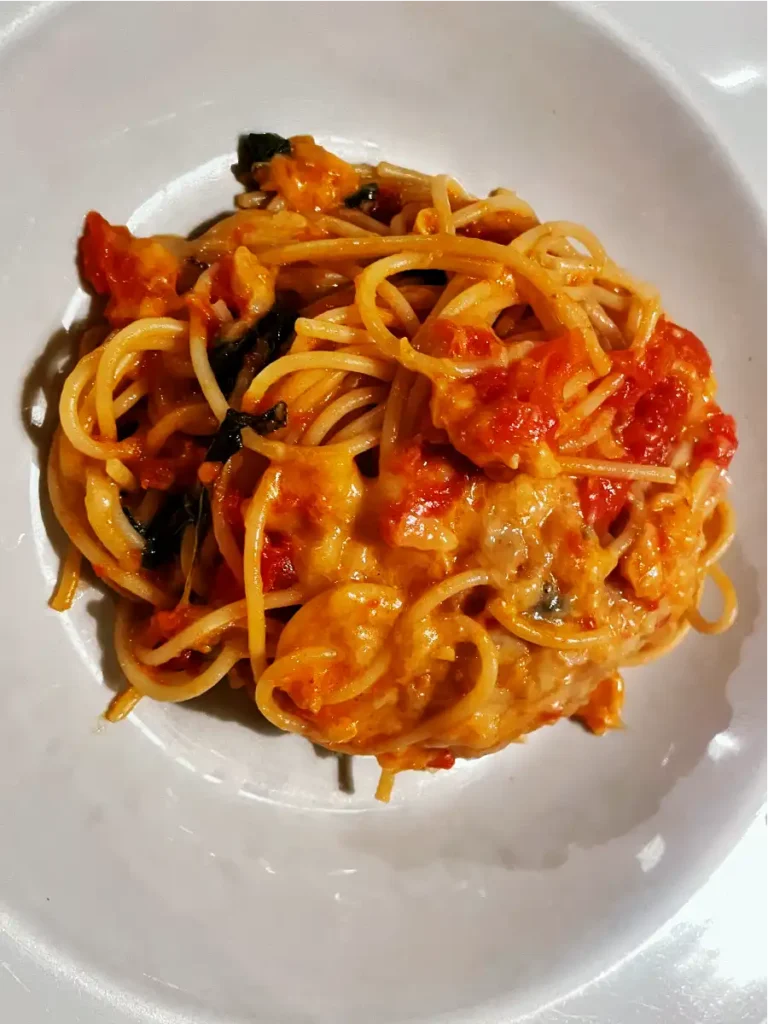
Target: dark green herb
(366,194)
(228,439)
(267,337)
(258,148)
(163,533)
(551,603)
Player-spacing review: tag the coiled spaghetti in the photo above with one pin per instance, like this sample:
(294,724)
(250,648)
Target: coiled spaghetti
(420,472)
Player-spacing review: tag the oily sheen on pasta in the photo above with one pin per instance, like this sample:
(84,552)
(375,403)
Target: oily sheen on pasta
(419,471)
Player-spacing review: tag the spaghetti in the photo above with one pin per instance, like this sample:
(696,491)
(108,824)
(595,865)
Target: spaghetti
(418,471)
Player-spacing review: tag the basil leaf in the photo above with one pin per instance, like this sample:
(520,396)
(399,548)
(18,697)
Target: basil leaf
(258,148)
(228,438)
(267,337)
(366,194)
(163,533)
(551,603)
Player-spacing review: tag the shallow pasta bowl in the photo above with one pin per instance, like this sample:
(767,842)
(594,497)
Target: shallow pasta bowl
(193,865)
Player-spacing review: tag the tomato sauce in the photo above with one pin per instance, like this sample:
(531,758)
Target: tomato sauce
(501,412)
(226,588)
(277,571)
(652,409)
(178,468)
(277,568)
(310,179)
(658,420)
(602,499)
(310,687)
(430,482)
(603,709)
(442,759)
(138,274)
(462,341)
(231,507)
(716,439)
(164,625)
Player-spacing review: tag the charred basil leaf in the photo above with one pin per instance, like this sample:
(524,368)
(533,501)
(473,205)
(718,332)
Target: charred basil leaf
(258,148)
(267,337)
(551,603)
(366,194)
(228,440)
(163,533)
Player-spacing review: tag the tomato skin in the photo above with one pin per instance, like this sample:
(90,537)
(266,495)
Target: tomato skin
(640,376)
(277,571)
(649,437)
(462,341)
(653,403)
(500,413)
(138,274)
(95,250)
(523,402)
(718,442)
(668,345)
(539,377)
(490,385)
(277,568)
(430,483)
(658,421)
(652,407)
(430,499)
(686,346)
(310,178)
(601,500)
(442,759)
(516,422)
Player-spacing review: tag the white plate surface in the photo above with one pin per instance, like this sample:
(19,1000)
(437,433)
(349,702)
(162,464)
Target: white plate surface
(187,866)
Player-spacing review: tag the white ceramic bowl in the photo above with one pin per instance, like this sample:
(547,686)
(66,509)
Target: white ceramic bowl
(191,866)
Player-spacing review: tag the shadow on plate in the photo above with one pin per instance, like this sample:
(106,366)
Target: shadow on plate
(221,702)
